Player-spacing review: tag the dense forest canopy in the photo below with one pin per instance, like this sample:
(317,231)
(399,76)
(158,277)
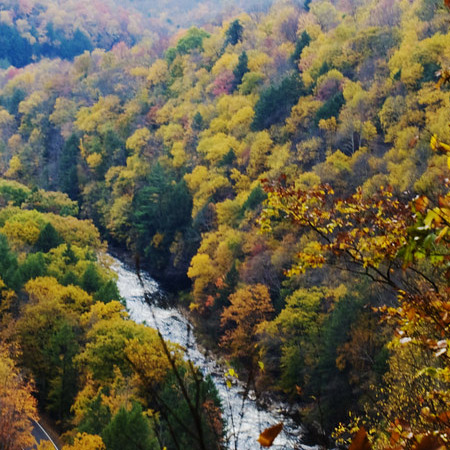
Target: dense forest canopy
(282,168)
(34,29)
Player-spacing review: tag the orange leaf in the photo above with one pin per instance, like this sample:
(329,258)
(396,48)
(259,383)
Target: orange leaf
(421,203)
(267,437)
(430,442)
(445,417)
(361,441)
(447,3)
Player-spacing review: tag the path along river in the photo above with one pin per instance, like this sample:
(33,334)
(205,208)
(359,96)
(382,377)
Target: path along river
(245,418)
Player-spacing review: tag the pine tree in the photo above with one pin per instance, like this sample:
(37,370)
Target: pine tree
(48,239)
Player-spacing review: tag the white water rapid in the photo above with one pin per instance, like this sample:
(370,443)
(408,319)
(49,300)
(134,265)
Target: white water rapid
(245,419)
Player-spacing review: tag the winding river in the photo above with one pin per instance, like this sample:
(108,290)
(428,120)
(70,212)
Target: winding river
(245,418)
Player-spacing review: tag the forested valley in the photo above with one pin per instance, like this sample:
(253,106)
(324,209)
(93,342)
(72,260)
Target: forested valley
(281,168)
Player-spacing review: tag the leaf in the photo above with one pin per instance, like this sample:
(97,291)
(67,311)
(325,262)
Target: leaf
(442,233)
(267,437)
(430,442)
(361,441)
(438,146)
(421,204)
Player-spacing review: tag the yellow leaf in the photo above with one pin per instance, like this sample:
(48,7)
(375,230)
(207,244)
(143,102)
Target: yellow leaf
(443,232)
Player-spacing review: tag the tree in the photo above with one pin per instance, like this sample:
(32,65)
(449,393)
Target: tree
(193,40)
(67,170)
(84,441)
(130,430)
(387,240)
(249,306)
(161,209)
(302,42)
(17,406)
(48,238)
(14,49)
(240,70)
(8,263)
(275,103)
(234,32)
(63,386)
(91,280)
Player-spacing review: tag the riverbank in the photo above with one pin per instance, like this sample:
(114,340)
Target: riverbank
(166,299)
(246,417)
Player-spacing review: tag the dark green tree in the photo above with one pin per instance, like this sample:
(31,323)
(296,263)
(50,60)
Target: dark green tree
(67,170)
(8,264)
(108,292)
(302,42)
(234,33)
(331,107)
(276,102)
(91,281)
(32,267)
(63,383)
(69,255)
(14,49)
(48,238)
(240,70)
(197,122)
(162,208)
(129,430)
(97,417)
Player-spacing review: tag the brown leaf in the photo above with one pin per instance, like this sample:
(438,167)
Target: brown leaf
(447,3)
(413,142)
(430,442)
(267,437)
(361,441)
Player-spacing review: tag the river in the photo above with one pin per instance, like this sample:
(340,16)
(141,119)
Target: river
(245,417)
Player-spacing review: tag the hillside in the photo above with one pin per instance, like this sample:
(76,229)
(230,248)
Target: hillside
(199,155)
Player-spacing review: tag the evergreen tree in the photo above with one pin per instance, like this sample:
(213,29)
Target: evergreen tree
(240,70)
(162,208)
(108,292)
(67,171)
(48,239)
(129,430)
(91,281)
(234,33)
(97,416)
(275,103)
(32,267)
(198,122)
(302,42)
(63,385)
(8,263)
(14,49)
(69,255)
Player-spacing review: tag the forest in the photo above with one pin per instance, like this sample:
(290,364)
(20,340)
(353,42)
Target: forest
(282,169)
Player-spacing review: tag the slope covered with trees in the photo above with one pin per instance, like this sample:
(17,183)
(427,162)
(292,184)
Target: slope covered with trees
(166,153)
(66,340)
